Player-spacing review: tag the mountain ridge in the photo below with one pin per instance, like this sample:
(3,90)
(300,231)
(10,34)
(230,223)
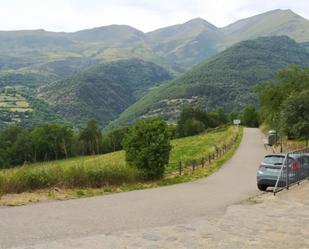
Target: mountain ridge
(34,59)
(226,80)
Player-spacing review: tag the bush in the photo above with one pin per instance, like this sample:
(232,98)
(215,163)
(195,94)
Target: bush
(193,127)
(148,147)
(295,114)
(250,117)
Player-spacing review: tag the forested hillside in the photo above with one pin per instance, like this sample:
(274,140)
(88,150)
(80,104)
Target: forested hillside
(228,80)
(59,64)
(103,91)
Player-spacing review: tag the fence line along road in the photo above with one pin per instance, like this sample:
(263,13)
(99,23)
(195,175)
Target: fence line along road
(192,165)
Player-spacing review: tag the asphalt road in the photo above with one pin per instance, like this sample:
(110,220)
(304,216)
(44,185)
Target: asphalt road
(55,221)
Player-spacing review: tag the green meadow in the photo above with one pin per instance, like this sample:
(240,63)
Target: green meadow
(104,170)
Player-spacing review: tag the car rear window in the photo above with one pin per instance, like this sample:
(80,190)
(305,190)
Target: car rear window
(273,160)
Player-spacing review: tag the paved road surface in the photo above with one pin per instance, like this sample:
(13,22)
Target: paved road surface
(50,221)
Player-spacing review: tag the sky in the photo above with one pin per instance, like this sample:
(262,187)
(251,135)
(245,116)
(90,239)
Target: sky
(145,15)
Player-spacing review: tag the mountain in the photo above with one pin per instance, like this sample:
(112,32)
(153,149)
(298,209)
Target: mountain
(103,91)
(227,80)
(177,47)
(185,44)
(34,61)
(272,23)
(109,35)
(46,72)
(34,39)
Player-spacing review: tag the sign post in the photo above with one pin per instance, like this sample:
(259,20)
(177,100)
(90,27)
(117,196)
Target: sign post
(237,122)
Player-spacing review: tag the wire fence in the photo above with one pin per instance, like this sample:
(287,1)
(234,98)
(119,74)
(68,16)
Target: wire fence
(294,169)
(190,166)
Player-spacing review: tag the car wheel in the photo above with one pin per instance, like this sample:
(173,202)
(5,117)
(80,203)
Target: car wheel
(262,187)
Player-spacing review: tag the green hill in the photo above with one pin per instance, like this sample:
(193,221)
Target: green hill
(36,58)
(185,44)
(177,47)
(272,23)
(227,80)
(43,73)
(103,91)
(108,35)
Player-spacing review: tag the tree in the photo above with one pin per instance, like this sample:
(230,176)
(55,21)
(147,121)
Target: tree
(273,94)
(196,119)
(222,117)
(148,147)
(91,137)
(15,147)
(295,114)
(193,127)
(113,140)
(232,116)
(250,117)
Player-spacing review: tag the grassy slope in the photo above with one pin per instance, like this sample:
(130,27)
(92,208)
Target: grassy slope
(102,170)
(196,147)
(64,194)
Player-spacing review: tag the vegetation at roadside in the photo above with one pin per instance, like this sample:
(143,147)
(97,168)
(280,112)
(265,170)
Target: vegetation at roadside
(72,193)
(284,102)
(195,147)
(47,142)
(148,147)
(100,170)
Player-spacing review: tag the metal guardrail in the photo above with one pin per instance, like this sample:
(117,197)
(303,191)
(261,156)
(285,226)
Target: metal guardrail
(294,169)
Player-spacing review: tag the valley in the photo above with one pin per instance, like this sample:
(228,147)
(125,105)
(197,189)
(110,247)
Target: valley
(71,77)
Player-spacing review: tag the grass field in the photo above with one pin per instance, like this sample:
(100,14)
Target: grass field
(195,147)
(102,170)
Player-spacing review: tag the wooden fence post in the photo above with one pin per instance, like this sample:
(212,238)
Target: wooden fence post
(193,165)
(180,168)
(203,162)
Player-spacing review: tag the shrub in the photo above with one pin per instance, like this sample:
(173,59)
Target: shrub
(250,116)
(193,127)
(148,147)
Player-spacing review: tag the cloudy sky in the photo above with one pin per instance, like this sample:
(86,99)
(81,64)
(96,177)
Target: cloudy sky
(146,15)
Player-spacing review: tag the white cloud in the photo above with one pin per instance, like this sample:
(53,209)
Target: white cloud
(71,15)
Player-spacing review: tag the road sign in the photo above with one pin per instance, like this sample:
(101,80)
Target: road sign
(236,121)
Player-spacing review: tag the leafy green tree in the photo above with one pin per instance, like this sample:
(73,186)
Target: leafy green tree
(273,94)
(41,147)
(113,140)
(193,127)
(222,117)
(14,147)
(295,114)
(232,116)
(193,121)
(148,147)
(22,148)
(91,138)
(250,116)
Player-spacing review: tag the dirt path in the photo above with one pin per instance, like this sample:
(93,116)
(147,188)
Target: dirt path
(60,221)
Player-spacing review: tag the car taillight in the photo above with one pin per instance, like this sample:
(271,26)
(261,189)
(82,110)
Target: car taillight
(295,165)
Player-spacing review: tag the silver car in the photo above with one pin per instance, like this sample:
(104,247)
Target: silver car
(270,169)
